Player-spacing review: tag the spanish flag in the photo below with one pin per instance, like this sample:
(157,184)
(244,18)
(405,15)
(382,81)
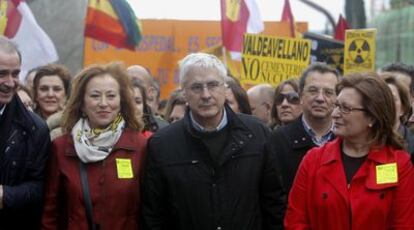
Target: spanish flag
(113,22)
(18,23)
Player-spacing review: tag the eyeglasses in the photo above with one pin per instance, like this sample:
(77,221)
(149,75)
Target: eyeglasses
(346,109)
(211,86)
(292,98)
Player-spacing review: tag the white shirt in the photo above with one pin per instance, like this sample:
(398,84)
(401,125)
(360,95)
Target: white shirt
(2,110)
(220,126)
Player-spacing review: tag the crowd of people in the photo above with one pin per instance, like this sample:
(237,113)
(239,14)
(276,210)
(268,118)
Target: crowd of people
(100,150)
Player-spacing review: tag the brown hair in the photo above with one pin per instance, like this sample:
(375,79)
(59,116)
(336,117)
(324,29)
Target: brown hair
(48,70)
(73,111)
(176,98)
(295,85)
(239,94)
(378,102)
(404,94)
(52,69)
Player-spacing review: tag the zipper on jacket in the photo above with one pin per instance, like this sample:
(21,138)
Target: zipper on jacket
(350,207)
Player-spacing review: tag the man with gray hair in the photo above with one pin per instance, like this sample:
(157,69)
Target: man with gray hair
(261,101)
(211,169)
(24,144)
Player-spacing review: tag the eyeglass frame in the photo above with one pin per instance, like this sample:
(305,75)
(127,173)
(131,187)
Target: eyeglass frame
(341,108)
(198,88)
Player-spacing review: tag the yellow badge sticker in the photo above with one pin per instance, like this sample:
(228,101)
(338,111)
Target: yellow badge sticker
(387,173)
(124,168)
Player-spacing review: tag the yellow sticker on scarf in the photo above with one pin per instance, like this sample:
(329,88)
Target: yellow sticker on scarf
(387,173)
(124,168)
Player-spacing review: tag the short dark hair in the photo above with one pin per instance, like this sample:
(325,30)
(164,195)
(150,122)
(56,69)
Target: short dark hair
(390,79)
(403,68)
(52,69)
(319,67)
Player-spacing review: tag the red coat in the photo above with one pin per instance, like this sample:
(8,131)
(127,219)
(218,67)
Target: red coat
(115,201)
(320,198)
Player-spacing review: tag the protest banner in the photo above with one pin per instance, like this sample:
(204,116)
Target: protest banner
(327,50)
(165,42)
(359,50)
(270,59)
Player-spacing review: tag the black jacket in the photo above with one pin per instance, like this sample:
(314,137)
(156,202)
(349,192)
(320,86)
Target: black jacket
(408,138)
(290,143)
(22,165)
(182,190)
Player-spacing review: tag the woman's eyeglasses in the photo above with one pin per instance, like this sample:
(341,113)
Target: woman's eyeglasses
(292,98)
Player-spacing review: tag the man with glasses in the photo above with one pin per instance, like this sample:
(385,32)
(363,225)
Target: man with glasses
(24,144)
(211,169)
(314,128)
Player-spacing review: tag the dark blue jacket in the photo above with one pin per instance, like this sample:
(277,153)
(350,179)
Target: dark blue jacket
(22,165)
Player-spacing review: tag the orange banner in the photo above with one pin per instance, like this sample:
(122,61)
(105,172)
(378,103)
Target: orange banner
(165,42)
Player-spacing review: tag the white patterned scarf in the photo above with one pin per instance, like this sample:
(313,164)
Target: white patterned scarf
(94,145)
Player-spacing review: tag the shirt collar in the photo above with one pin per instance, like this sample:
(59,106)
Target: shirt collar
(325,138)
(220,126)
(2,110)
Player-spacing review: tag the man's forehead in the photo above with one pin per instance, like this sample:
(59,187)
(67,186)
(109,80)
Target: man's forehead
(317,79)
(200,73)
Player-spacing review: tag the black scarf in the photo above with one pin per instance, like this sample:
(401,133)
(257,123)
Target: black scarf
(5,123)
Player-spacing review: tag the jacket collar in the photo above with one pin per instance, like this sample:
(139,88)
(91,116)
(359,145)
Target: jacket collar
(239,135)
(297,136)
(22,116)
(126,142)
(332,167)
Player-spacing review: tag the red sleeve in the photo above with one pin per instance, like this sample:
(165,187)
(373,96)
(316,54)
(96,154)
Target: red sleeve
(297,216)
(51,209)
(402,210)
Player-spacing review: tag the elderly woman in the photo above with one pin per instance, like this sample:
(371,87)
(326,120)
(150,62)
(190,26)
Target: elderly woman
(286,103)
(402,109)
(95,167)
(363,179)
(50,89)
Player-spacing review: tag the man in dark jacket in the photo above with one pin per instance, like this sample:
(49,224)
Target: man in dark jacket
(212,169)
(313,128)
(24,143)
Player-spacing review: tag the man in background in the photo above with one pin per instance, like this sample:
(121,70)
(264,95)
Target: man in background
(261,101)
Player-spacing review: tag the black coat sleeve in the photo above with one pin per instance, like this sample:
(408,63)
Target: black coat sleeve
(154,210)
(272,194)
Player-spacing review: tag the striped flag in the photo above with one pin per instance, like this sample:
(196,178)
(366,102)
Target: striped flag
(19,25)
(113,22)
(237,18)
(287,16)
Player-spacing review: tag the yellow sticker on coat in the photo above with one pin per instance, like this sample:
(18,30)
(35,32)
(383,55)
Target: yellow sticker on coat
(387,173)
(124,168)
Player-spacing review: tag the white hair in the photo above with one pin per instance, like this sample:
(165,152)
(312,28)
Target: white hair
(202,60)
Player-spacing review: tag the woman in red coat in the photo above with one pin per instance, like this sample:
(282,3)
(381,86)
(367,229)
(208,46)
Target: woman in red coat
(95,168)
(363,179)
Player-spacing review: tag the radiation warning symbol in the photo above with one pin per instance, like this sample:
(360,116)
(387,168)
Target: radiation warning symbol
(359,51)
